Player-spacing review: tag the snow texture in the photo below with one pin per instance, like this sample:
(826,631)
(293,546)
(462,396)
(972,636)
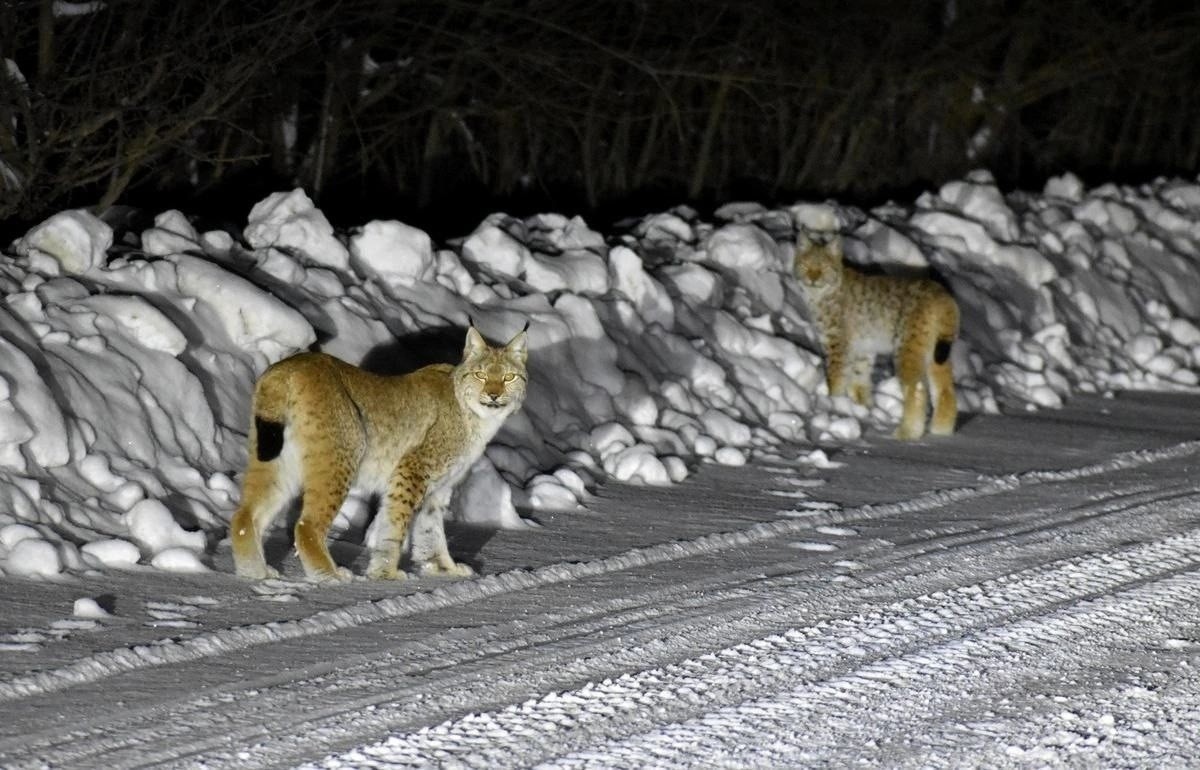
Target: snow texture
(667,343)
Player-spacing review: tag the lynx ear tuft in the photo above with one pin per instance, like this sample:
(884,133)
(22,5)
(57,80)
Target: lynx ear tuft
(475,342)
(519,345)
(834,246)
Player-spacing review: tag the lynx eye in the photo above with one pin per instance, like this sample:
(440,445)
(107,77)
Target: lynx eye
(481,376)
(510,377)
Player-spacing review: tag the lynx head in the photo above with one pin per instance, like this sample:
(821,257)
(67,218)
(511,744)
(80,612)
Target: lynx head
(490,381)
(819,265)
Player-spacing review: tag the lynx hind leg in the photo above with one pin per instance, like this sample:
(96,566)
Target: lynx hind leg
(332,441)
(941,391)
(325,489)
(269,485)
(911,361)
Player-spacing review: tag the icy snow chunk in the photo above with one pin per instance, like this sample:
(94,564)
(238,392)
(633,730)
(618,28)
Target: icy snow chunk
(113,552)
(153,527)
(15,533)
(728,455)
(492,248)
(886,246)
(31,396)
(638,465)
(787,425)
(667,227)
(1108,215)
(549,493)
(743,246)
(628,276)
(33,557)
(725,429)
(15,430)
(87,607)
(393,251)
(217,242)
(1183,195)
(694,283)
(1066,186)
(254,319)
(172,234)
(561,234)
(982,201)
(974,246)
(609,435)
(178,559)
(1184,332)
(290,222)
(76,240)
(140,321)
(580,272)
(484,498)
(1144,347)
(452,274)
(816,217)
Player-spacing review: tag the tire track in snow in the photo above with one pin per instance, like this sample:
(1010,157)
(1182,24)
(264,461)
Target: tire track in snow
(224,641)
(577,642)
(916,656)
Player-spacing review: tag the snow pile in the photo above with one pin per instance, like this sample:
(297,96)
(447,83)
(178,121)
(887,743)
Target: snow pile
(128,362)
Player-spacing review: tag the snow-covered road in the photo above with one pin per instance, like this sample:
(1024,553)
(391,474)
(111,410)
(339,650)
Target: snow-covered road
(1026,592)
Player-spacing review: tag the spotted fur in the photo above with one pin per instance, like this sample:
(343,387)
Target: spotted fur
(322,426)
(860,316)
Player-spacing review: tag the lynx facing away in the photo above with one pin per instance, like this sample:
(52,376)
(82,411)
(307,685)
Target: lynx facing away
(322,426)
(860,316)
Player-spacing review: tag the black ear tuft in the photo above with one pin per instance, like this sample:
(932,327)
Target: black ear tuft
(525,328)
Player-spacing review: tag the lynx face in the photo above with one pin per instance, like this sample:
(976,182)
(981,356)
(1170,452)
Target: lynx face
(491,381)
(819,266)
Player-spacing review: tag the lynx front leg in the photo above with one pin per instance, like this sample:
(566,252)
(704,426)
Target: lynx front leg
(860,380)
(429,539)
(406,489)
(835,365)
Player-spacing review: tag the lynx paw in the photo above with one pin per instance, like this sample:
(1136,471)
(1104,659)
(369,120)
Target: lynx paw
(908,432)
(458,569)
(388,572)
(257,572)
(339,575)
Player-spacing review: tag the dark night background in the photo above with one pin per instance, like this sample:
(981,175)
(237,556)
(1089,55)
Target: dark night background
(437,113)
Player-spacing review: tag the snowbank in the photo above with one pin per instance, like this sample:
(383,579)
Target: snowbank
(126,373)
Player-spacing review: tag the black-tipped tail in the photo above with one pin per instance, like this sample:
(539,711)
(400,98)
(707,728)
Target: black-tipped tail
(269,438)
(941,351)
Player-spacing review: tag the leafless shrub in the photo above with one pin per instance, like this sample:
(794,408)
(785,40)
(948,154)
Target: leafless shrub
(700,99)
